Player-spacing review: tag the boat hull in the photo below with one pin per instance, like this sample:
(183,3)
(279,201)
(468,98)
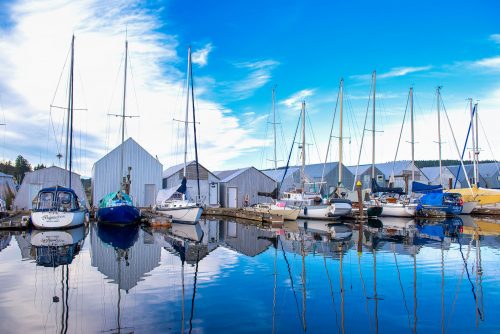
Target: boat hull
(190,214)
(317,212)
(287,214)
(468,207)
(397,210)
(119,215)
(57,219)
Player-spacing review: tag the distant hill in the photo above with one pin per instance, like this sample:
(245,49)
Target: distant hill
(435,163)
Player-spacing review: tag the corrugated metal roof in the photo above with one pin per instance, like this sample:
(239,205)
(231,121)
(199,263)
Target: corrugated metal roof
(5,175)
(316,170)
(174,169)
(432,173)
(277,175)
(362,169)
(388,167)
(228,175)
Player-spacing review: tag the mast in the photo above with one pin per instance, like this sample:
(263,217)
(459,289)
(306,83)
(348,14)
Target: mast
(473,139)
(303,145)
(274,129)
(438,94)
(412,137)
(70,111)
(374,75)
(123,114)
(340,131)
(476,151)
(187,111)
(194,132)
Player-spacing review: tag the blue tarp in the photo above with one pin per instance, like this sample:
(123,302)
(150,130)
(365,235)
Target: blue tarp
(432,230)
(434,199)
(418,187)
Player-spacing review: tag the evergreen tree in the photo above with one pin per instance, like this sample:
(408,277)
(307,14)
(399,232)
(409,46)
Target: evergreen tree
(21,166)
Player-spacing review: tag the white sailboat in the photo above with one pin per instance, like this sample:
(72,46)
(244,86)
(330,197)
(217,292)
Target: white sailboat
(58,206)
(402,206)
(174,202)
(279,207)
(306,201)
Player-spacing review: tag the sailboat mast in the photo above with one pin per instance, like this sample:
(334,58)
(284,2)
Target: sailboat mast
(187,112)
(274,129)
(374,75)
(123,113)
(194,132)
(303,172)
(476,153)
(438,93)
(70,110)
(473,129)
(412,137)
(340,131)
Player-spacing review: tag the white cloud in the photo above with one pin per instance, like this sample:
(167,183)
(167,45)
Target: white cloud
(393,72)
(495,38)
(492,63)
(200,57)
(259,74)
(297,98)
(34,50)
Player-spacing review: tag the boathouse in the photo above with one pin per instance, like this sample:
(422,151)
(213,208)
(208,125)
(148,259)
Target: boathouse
(447,179)
(240,187)
(209,182)
(145,174)
(400,171)
(363,173)
(329,174)
(291,181)
(34,181)
(7,188)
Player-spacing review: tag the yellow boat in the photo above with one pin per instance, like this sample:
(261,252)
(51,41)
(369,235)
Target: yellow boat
(482,195)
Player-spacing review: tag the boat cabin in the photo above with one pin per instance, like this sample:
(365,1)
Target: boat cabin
(56,199)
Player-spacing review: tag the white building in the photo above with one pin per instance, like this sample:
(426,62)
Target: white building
(209,182)
(34,181)
(448,178)
(145,174)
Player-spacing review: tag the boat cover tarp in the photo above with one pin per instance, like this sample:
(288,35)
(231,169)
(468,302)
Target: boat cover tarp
(422,188)
(432,199)
(378,189)
(114,199)
(273,194)
(166,194)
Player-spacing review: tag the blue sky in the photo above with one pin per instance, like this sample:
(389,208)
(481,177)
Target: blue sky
(241,50)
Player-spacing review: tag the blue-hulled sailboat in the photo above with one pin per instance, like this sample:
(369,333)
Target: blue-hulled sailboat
(117,207)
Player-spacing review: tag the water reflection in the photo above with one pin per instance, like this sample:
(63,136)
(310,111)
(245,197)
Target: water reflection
(388,275)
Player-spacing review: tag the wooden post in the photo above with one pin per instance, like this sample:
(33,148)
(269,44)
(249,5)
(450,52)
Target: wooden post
(361,218)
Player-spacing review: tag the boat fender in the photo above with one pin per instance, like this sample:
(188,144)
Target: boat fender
(305,210)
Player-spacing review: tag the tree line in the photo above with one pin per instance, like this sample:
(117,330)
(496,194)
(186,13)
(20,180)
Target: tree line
(18,168)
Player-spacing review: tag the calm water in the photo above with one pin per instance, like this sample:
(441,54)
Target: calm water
(395,276)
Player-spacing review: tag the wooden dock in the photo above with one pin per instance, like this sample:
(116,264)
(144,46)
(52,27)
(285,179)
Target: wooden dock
(17,221)
(490,210)
(243,214)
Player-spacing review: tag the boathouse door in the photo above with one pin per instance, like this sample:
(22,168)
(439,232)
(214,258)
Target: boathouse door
(149,194)
(213,198)
(232,197)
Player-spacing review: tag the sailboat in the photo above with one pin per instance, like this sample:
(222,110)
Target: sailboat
(475,194)
(393,202)
(117,207)
(278,208)
(59,207)
(307,201)
(174,202)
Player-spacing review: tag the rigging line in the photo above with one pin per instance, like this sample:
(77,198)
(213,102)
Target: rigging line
(402,290)
(329,139)
(331,288)
(364,291)
(362,137)
(194,291)
(468,277)
(400,133)
(135,91)
(314,137)
(291,281)
(290,154)
(488,142)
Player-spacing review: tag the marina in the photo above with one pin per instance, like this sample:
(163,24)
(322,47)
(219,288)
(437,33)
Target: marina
(395,274)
